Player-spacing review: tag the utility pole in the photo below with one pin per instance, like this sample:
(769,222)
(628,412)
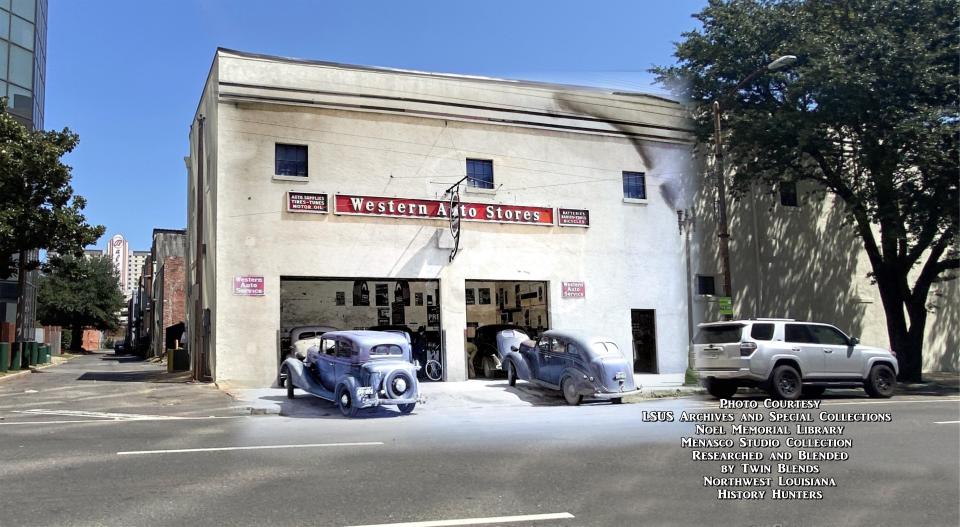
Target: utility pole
(724,234)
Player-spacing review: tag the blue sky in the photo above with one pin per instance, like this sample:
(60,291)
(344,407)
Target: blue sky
(127,75)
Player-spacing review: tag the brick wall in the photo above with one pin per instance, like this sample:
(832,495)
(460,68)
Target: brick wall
(168,305)
(173,291)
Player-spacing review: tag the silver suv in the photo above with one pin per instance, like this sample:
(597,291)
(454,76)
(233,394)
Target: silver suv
(787,358)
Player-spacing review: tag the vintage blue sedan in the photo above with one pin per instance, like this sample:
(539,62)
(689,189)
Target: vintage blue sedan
(355,370)
(577,365)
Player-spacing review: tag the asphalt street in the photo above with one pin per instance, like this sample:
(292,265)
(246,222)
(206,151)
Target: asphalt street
(108,442)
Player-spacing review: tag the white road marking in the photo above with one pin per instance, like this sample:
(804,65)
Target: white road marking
(102,415)
(262,447)
(945,422)
(115,421)
(478,521)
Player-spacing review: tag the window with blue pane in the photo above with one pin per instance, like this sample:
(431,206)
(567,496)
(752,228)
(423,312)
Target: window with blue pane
(480,173)
(634,185)
(291,160)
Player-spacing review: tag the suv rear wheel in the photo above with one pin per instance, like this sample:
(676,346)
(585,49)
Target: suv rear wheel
(721,389)
(881,382)
(785,382)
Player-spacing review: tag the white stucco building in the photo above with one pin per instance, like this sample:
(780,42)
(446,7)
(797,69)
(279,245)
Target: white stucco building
(317,195)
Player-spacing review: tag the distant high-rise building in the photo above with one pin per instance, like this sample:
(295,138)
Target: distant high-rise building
(128,264)
(23,71)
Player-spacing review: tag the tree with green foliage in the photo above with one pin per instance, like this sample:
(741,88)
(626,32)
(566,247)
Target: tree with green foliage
(38,209)
(79,293)
(869,112)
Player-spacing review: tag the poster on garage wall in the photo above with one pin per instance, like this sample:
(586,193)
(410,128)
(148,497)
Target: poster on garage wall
(383,316)
(382,298)
(361,293)
(401,292)
(433,316)
(397,313)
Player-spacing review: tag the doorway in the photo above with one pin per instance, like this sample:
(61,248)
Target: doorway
(644,327)
(493,306)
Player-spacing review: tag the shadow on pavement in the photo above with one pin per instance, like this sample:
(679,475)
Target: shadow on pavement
(310,407)
(136,376)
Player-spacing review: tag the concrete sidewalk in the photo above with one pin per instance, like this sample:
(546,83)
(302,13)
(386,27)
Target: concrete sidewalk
(475,393)
(101,384)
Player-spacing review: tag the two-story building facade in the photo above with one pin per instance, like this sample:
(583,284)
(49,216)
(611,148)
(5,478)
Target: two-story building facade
(321,194)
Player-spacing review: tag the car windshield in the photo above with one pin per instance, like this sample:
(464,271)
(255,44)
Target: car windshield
(719,334)
(606,349)
(386,350)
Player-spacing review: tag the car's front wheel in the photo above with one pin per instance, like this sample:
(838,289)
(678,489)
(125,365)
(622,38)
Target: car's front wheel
(881,382)
(511,374)
(406,408)
(570,394)
(489,368)
(785,382)
(346,403)
(719,388)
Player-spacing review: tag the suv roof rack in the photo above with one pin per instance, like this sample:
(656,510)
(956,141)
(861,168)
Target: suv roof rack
(777,319)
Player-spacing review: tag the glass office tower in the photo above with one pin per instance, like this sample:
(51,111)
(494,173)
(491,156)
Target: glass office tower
(23,60)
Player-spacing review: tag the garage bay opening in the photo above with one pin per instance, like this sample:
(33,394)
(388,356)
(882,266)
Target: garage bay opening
(493,306)
(312,306)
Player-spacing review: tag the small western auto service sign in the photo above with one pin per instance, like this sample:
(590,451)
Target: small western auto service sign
(573,290)
(309,202)
(573,217)
(248,285)
(429,209)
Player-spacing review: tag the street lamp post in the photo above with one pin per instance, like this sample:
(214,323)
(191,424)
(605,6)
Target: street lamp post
(724,234)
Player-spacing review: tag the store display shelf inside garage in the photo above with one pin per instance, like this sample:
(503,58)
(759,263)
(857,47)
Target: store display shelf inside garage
(364,303)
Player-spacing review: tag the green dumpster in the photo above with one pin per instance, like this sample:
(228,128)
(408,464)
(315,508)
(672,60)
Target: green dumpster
(16,361)
(4,356)
(32,347)
(41,354)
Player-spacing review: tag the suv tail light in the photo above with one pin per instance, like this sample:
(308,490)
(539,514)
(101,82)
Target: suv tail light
(746,348)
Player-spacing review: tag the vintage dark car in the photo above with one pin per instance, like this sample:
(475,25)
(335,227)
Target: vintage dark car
(577,365)
(487,360)
(355,370)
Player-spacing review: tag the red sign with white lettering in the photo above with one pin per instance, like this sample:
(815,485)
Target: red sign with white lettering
(429,209)
(248,285)
(573,290)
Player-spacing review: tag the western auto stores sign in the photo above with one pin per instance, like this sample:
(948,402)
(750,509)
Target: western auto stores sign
(429,209)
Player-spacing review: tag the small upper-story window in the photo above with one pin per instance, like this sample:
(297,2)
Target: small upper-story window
(788,194)
(480,173)
(705,285)
(291,160)
(634,185)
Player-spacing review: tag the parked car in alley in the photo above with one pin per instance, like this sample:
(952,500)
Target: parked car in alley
(356,370)
(788,358)
(576,364)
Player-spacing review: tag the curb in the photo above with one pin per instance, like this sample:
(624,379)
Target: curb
(32,369)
